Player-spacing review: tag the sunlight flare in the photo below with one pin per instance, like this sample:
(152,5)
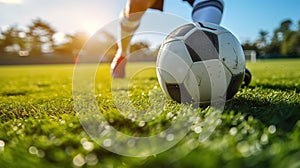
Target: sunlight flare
(11,1)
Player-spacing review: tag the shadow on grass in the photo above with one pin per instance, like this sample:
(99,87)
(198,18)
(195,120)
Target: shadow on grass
(278,87)
(8,94)
(283,114)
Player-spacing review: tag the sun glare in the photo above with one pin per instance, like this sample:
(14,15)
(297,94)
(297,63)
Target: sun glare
(59,37)
(90,27)
(11,1)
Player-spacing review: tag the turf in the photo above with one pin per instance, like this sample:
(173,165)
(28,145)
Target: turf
(39,127)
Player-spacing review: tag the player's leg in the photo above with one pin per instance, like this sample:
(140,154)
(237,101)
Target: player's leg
(208,11)
(129,22)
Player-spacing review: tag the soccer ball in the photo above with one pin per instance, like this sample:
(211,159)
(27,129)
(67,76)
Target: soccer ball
(200,63)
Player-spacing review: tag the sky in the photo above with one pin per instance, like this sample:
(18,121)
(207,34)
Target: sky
(244,18)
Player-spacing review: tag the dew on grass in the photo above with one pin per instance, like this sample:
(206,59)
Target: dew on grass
(258,145)
(244,131)
(87,145)
(264,139)
(82,140)
(71,125)
(91,159)
(111,120)
(79,160)
(170,115)
(104,132)
(254,150)
(2,145)
(272,129)
(41,153)
(130,116)
(15,128)
(52,137)
(244,148)
(62,122)
(107,127)
(142,123)
(219,122)
(251,131)
(170,137)
(107,142)
(33,150)
(198,129)
(133,120)
(233,131)
(162,134)
(131,143)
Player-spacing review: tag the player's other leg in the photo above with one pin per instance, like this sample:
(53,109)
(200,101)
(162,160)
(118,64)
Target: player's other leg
(129,21)
(207,11)
(247,78)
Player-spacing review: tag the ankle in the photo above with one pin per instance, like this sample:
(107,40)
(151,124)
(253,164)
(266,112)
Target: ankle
(121,52)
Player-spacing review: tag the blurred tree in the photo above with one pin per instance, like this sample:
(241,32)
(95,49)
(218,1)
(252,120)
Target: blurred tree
(66,47)
(141,51)
(274,47)
(156,50)
(40,36)
(103,43)
(9,36)
(78,40)
(249,46)
(262,42)
(1,46)
(285,26)
(12,40)
(138,46)
(112,46)
(291,45)
(279,41)
(73,44)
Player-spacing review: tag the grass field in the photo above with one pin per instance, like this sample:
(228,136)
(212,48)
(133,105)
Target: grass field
(40,128)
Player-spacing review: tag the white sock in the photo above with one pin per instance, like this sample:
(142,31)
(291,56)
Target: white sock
(208,11)
(128,25)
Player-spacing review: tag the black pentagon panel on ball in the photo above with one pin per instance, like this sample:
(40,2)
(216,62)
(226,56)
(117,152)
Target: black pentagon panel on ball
(202,45)
(234,85)
(194,56)
(181,31)
(179,93)
(204,26)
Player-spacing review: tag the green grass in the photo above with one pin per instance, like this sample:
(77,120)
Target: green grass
(40,128)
